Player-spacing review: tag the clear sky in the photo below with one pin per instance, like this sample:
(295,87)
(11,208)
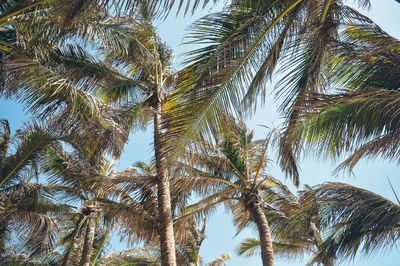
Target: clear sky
(369,174)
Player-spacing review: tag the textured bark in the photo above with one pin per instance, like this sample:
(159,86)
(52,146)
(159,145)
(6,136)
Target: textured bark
(328,263)
(267,252)
(88,242)
(318,239)
(198,238)
(167,241)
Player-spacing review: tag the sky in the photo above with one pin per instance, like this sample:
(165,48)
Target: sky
(368,174)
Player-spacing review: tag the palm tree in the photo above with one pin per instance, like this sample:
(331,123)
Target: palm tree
(346,219)
(136,70)
(137,194)
(79,176)
(236,163)
(295,224)
(242,47)
(148,60)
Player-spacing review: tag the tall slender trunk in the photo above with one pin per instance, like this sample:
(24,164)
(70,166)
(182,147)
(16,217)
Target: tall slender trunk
(167,241)
(88,242)
(267,252)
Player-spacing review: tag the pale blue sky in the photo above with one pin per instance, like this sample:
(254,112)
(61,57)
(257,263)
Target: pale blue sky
(369,174)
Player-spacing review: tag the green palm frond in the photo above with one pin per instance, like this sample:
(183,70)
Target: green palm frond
(206,206)
(308,73)
(250,247)
(243,46)
(362,119)
(218,74)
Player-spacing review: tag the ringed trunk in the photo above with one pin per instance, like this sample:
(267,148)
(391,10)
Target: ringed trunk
(267,252)
(167,241)
(88,242)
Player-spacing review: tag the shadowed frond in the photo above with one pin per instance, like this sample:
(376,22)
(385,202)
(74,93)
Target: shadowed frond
(30,214)
(359,220)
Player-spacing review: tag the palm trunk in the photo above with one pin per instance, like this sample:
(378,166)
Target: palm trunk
(3,231)
(328,263)
(267,252)
(88,242)
(167,242)
(319,241)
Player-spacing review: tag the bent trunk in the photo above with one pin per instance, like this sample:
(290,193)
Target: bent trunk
(267,253)
(88,243)
(167,242)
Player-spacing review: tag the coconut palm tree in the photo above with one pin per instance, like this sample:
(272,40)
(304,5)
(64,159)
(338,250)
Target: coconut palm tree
(78,176)
(137,193)
(148,61)
(242,48)
(236,163)
(346,219)
(136,71)
(127,199)
(295,224)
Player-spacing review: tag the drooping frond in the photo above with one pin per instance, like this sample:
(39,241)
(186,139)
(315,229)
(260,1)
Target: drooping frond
(360,220)
(364,118)
(30,213)
(30,145)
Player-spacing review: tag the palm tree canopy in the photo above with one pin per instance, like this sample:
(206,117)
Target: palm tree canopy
(242,48)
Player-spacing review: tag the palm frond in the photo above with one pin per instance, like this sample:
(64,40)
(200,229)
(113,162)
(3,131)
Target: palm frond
(220,260)
(29,150)
(363,118)
(360,220)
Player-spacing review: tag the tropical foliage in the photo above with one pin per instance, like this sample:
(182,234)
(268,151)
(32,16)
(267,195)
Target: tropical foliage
(91,73)
(362,118)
